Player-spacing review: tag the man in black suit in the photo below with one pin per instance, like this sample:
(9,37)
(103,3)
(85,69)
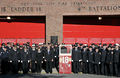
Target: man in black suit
(5,59)
(48,59)
(33,54)
(85,59)
(56,57)
(109,61)
(80,48)
(39,59)
(25,60)
(91,60)
(13,59)
(103,59)
(97,62)
(19,55)
(75,58)
(116,59)
(9,49)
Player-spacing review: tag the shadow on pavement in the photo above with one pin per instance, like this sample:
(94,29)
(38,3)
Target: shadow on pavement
(29,76)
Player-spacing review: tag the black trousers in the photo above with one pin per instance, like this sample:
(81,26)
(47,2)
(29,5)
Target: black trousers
(4,66)
(91,70)
(14,67)
(75,66)
(0,65)
(19,66)
(85,67)
(80,67)
(116,68)
(111,69)
(56,60)
(102,68)
(48,67)
(97,69)
(33,66)
(25,67)
(108,68)
(53,63)
(39,66)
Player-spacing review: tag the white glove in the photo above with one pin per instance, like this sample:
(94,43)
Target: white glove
(55,56)
(43,57)
(42,62)
(10,61)
(99,62)
(80,60)
(72,60)
(28,61)
(87,60)
(21,61)
(52,60)
(18,60)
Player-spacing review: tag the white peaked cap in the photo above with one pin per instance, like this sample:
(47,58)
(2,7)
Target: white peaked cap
(85,44)
(40,43)
(117,44)
(33,45)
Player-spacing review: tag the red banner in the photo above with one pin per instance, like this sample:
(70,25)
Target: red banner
(69,40)
(108,40)
(21,41)
(95,40)
(37,41)
(8,40)
(81,40)
(117,40)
